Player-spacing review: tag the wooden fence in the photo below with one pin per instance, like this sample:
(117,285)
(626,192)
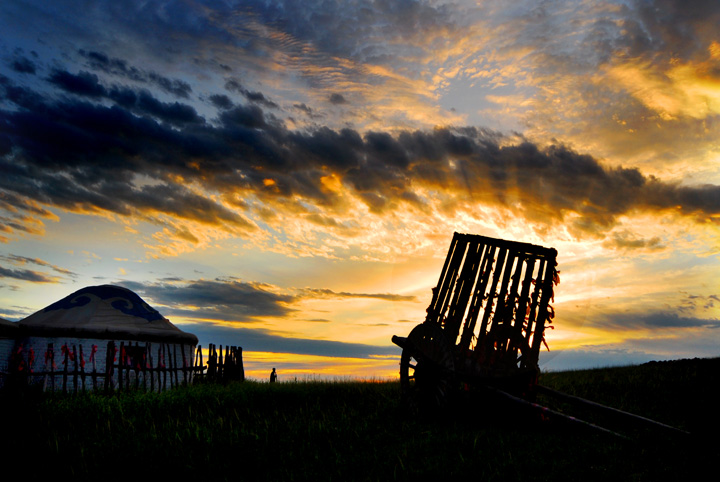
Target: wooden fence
(127,366)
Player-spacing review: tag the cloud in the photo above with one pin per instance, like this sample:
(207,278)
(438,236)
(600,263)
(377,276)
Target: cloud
(259,340)
(221,101)
(27,275)
(256,97)
(337,99)
(233,300)
(326,293)
(656,321)
(226,300)
(24,65)
(83,83)
(118,67)
(83,156)
(21,260)
(627,241)
(116,148)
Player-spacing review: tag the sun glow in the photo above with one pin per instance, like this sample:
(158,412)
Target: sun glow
(293,367)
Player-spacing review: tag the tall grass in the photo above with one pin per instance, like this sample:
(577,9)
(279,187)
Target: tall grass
(351,431)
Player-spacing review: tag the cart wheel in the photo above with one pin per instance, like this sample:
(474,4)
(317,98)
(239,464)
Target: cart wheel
(427,369)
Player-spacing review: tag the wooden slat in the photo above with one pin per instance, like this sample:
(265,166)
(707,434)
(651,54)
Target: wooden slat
(547,288)
(492,300)
(449,281)
(476,303)
(463,290)
(522,307)
(433,311)
(500,317)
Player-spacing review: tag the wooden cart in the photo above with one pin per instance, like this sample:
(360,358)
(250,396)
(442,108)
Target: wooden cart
(484,330)
(485,322)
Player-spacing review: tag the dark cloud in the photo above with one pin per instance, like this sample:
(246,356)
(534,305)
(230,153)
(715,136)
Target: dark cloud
(139,101)
(23,65)
(676,28)
(337,99)
(233,300)
(227,300)
(326,293)
(308,111)
(259,340)
(85,155)
(121,68)
(221,101)
(655,320)
(234,85)
(83,83)
(143,102)
(27,275)
(259,98)
(21,260)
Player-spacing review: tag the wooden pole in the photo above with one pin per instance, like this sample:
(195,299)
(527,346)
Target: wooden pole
(240,364)
(82,367)
(49,356)
(196,360)
(151,367)
(613,412)
(75,369)
(93,349)
(175,362)
(121,365)
(163,372)
(552,413)
(108,356)
(65,369)
(184,365)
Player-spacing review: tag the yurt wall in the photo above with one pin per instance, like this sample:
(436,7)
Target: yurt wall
(71,364)
(8,332)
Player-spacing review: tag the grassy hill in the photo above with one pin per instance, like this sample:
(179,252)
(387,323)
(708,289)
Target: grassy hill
(359,431)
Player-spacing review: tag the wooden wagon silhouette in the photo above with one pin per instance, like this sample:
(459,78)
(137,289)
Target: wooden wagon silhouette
(485,323)
(484,330)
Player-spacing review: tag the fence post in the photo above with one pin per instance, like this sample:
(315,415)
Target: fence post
(110,365)
(75,368)
(184,366)
(82,368)
(65,368)
(93,350)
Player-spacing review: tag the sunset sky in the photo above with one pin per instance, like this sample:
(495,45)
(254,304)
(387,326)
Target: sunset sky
(287,175)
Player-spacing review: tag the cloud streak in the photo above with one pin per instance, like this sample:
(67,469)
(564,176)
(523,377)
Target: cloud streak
(234,300)
(259,340)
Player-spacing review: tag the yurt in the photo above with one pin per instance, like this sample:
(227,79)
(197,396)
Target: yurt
(102,337)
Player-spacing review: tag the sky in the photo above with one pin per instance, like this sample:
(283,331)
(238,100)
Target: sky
(287,176)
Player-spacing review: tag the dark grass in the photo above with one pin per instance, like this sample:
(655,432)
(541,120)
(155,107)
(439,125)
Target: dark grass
(359,431)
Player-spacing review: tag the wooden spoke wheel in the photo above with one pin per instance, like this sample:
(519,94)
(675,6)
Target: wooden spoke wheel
(427,369)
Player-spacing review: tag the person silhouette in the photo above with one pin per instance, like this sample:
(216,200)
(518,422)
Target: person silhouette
(273,376)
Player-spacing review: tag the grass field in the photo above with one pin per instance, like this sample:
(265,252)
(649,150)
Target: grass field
(358,431)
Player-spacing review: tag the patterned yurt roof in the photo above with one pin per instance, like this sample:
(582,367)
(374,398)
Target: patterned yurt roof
(107,312)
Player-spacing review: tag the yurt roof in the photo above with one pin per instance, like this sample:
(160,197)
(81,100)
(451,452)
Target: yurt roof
(7,328)
(106,312)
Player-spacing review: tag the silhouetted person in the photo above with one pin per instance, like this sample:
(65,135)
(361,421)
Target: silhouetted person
(273,376)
